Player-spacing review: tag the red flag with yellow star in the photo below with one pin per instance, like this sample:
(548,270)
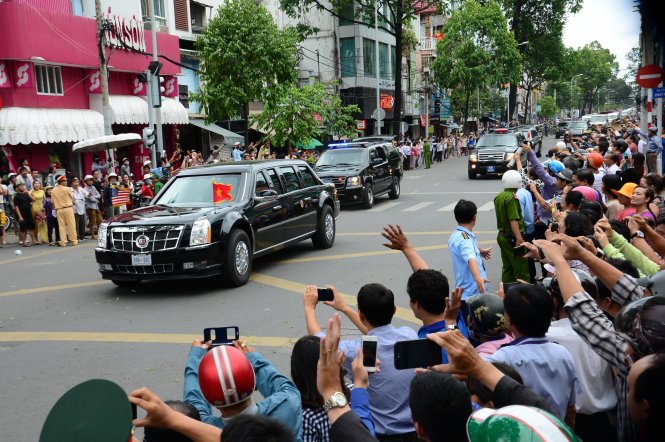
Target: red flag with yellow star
(221,192)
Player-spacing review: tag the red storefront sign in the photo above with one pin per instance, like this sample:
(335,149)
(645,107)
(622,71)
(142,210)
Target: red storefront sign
(138,88)
(4,75)
(23,76)
(361,124)
(170,86)
(94,83)
(387,102)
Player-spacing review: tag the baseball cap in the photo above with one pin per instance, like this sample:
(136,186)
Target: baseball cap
(653,128)
(61,178)
(147,162)
(88,177)
(566,175)
(555,166)
(236,144)
(147,176)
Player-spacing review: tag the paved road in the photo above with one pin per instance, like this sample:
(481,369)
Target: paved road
(61,324)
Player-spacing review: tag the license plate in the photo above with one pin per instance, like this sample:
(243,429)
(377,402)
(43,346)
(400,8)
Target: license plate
(490,169)
(141,260)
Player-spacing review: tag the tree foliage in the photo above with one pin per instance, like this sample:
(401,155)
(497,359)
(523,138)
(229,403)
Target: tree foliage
(595,66)
(548,107)
(291,117)
(478,51)
(245,57)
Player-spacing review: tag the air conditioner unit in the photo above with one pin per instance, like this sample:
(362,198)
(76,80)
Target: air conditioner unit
(426,71)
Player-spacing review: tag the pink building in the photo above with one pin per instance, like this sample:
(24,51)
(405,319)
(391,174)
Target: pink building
(50,82)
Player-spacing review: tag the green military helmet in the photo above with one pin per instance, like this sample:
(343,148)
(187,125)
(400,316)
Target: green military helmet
(487,314)
(517,423)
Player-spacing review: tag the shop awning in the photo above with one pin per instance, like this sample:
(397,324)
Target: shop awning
(21,125)
(130,109)
(229,137)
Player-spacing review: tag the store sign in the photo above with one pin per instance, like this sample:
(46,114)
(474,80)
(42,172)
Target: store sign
(94,83)
(138,88)
(170,86)
(23,77)
(4,75)
(387,102)
(361,124)
(129,32)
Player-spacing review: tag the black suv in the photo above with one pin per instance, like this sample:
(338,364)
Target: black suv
(494,152)
(561,129)
(361,171)
(262,206)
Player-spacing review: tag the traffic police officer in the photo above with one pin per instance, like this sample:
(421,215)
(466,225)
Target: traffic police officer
(510,224)
(467,257)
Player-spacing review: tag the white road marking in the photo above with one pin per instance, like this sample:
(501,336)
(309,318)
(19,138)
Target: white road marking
(414,177)
(384,206)
(486,207)
(418,206)
(415,192)
(448,208)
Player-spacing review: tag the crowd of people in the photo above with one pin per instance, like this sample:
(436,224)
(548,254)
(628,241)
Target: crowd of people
(423,152)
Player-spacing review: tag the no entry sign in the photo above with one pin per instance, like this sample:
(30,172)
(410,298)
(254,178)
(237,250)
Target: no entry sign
(649,76)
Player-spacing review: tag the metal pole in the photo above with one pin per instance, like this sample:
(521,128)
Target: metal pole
(156,85)
(151,114)
(106,108)
(376,48)
(426,107)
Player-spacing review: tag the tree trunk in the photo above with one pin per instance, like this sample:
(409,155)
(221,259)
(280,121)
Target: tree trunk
(466,110)
(245,116)
(526,103)
(399,50)
(515,27)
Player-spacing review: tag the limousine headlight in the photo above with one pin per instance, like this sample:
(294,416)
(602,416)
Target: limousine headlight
(101,235)
(353,181)
(201,233)
(473,158)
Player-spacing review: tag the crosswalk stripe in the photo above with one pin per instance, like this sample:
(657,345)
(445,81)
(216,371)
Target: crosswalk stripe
(384,206)
(486,207)
(418,206)
(448,208)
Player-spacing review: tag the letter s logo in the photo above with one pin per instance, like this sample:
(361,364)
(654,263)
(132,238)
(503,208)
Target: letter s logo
(170,86)
(3,74)
(138,86)
(95,82)
(22,76)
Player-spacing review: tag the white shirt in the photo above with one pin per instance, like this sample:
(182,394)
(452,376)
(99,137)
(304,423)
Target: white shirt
(612,170)
(642,146)
(593,373)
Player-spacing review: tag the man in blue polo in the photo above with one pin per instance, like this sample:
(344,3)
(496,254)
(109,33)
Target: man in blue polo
(467,257)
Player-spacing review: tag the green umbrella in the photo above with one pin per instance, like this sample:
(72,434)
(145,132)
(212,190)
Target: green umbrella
(311,144)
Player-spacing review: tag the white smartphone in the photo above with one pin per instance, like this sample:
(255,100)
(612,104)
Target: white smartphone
(370,344)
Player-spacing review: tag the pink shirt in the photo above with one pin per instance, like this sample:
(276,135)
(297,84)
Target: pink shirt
(488,348)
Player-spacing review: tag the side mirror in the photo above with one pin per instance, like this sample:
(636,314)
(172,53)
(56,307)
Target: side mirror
(377,161)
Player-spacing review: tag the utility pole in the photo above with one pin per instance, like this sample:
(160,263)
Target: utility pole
(106,111)
(156,84)
(376,48)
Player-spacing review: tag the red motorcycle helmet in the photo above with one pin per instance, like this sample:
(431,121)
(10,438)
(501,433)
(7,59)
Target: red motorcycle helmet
(226,376)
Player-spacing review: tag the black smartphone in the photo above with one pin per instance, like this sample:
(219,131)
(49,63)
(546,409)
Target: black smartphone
(370,343)
(134,412)
(419,353)
(554,227)
(520,251)
(325,294)
(221,335)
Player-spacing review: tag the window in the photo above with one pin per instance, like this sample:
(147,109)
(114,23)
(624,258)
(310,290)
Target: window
(276,184)
(347,49)
(77,8)
(292,182)
(307,177)
(384,68)
(372,155)
(347,14)
(369,56)
(49,80)
(261,184)
(382,153)
(197,191)
(160,11)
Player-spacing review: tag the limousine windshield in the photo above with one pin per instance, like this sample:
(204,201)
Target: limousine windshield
(197,191)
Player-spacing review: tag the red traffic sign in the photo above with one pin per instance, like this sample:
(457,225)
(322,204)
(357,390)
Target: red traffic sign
(649,76)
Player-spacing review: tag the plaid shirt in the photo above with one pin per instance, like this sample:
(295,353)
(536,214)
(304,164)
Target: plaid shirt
(598,331)
(315,425)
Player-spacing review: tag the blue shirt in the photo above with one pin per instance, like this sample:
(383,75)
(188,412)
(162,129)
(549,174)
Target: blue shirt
(281,397)
(547,368)
(654,144)
(463,246)
(440,327)
(389,389)
(237,155)
(526,203)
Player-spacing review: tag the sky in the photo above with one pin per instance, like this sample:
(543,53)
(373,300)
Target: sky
(613,23)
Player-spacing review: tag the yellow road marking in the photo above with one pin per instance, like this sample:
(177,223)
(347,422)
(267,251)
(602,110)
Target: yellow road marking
(292,286)
(146,338)
(44,253)
(442,232)
(364,254)
(48,288)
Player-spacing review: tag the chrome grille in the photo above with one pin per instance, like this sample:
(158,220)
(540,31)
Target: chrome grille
(158,238)
(490,156)
(339,182)
(146,270)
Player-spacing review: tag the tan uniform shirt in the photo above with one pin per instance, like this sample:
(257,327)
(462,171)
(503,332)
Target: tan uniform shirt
(62,197)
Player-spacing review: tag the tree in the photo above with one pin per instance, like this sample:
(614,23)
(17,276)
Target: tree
(245,57)
(393,19)
(292,117)
(478,51)
(548,107)
(595,66)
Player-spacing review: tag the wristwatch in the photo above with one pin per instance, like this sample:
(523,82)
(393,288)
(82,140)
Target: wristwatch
(637,234)
(337,400)
(452,327)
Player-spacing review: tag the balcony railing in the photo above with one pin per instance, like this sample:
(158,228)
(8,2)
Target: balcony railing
(428,44)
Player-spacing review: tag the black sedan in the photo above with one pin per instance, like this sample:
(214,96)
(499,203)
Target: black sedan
(214,220)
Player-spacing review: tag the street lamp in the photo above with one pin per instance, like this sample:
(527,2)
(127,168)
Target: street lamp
(571,94)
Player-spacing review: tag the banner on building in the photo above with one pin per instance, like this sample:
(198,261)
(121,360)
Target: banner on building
(138,87)
(23,75)
(94,83)
(170,86)
(387,102)
(4,75)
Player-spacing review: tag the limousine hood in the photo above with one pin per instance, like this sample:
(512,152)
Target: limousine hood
(160,215)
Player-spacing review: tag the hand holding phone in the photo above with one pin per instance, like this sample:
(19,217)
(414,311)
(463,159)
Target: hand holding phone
(520,251)
(325,294)
(418,353)
(370,345)
(221,335)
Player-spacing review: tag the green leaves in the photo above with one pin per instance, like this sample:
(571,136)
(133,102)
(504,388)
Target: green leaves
(245,57)
(548,107)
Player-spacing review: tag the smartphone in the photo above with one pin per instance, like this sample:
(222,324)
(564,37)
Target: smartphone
(520,251)
(325,294)
(419,353)
(134,412)
(221,335)
(554,227)
(370,344)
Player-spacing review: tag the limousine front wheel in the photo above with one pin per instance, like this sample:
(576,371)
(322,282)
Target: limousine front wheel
(325,234)
(237,265)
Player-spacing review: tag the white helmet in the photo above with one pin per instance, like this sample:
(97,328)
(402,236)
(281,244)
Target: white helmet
(147,176)
(561,145)
(511,180)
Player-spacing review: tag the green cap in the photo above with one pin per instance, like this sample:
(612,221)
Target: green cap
(96,410)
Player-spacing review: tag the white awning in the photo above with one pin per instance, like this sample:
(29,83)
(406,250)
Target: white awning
(130,109)
(21,125)
(229,137)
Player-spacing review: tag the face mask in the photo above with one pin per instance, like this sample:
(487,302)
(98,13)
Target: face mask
(126,163)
